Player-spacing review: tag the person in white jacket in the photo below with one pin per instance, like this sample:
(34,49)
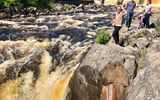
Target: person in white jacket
(147,14)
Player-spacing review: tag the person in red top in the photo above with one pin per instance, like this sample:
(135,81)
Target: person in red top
(117,23)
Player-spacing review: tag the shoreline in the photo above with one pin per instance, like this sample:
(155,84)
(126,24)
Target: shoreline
(59,9)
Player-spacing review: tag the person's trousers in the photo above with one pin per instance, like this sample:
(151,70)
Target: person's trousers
(116,34)
(129,19)
(146,20)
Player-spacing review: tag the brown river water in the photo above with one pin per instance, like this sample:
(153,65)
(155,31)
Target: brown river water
(39,67)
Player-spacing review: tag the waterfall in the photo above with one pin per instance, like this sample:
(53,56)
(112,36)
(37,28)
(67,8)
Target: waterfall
(26,85)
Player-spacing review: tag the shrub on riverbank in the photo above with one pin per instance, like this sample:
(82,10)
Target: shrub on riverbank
(67,6)
(103,36)
(28,3)
(7,3)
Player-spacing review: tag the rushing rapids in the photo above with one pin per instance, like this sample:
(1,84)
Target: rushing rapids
(41,54)
(27,71)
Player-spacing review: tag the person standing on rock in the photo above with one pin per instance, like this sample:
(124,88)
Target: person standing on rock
(117,23)
(130,8)
(147,14)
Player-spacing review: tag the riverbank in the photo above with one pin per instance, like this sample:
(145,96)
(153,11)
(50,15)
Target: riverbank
(59,9)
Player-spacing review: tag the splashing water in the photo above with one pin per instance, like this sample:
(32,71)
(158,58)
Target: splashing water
(21,60)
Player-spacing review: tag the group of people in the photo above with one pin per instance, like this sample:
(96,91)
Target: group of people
(128,10)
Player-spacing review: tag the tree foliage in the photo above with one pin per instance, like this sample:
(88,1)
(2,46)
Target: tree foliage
(28,3)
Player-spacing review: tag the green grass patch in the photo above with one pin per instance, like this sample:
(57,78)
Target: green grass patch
(67,6)
(157,24)
(144,52)
(142,58)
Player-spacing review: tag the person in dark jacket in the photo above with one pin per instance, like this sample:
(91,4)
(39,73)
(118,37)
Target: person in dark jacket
(130,8)
(147,14)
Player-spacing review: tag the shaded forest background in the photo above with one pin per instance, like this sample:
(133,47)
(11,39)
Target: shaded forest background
(28,3)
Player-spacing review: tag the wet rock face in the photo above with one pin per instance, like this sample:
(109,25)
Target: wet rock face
(146,84)
(115,80)
(113,92)
(86,84)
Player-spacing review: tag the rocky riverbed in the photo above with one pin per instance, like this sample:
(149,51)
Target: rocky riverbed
(54,57)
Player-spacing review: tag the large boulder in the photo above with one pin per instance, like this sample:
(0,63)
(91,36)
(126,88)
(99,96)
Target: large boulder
(104,65)
(146,85)
(142,43)
(100,55)
(117,67)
